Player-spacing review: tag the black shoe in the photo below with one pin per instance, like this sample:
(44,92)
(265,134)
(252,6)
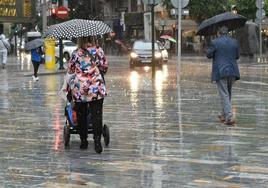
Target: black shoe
(84,144)
(230,122)
(221,118)
(98,147)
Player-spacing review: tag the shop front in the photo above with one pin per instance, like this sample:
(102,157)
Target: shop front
(17,11)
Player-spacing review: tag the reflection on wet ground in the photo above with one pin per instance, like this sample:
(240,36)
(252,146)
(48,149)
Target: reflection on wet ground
(161,135)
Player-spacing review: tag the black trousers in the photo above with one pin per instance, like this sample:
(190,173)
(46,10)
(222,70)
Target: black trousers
(93,110)
(36,66)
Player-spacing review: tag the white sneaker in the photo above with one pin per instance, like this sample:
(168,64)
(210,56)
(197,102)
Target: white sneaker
(35,78)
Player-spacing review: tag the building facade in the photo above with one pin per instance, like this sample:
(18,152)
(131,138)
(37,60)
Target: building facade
(16,12)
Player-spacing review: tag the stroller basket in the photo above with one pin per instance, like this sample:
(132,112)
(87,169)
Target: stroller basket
(70,114)
(71,126)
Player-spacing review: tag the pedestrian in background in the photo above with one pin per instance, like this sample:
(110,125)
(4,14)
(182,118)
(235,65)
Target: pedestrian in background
(4,48)
(37,58)
(88,90)
(224,51)
(167,44)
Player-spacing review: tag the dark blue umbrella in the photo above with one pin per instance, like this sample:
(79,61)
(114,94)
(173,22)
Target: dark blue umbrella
(229,19)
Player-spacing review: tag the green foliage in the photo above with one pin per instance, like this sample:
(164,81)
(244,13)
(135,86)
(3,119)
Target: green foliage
(246,8)
(85,9)
(167,4)
(266,6)
(203,9)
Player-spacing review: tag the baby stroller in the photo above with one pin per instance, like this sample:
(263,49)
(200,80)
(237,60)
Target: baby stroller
(70,126)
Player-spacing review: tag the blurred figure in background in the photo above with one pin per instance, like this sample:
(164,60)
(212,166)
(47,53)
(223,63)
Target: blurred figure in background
(37,58)
(4,48)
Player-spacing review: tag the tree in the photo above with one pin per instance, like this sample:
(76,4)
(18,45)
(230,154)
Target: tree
(86,9)
(167,4)
(246,8)
(203,9)
(266,6)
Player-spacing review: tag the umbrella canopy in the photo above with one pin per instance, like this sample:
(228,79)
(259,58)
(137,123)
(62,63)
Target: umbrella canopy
(34,44)
(168,37)
(229,19)
(165,36)
(172,40)
(78,28)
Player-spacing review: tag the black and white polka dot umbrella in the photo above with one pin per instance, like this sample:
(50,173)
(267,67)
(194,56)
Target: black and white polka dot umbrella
(78,28)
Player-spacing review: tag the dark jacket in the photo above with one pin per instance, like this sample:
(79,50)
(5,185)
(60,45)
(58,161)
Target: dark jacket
(224,51)
(36,54)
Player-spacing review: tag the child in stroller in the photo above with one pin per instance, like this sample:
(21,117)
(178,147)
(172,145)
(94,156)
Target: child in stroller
(71,124)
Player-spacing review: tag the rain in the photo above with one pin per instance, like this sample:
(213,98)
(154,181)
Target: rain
(159,137)
(164,129)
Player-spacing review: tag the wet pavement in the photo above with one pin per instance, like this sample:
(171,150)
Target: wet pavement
(161,135)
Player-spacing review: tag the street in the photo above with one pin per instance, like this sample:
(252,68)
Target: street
(163,134)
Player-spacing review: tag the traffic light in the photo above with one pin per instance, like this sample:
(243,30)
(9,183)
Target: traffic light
(53,11)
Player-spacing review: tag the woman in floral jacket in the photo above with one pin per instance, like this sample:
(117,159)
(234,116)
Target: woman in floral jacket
(88,90)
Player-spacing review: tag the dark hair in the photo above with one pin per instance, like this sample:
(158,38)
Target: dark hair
(223,30)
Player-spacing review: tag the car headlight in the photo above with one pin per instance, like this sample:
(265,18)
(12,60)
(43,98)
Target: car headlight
(157,55)
(133,55)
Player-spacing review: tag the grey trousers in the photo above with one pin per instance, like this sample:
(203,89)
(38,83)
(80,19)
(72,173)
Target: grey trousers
(225,93)
(3,57)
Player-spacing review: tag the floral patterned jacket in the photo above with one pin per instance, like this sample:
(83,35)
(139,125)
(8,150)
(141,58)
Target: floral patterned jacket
(86,70)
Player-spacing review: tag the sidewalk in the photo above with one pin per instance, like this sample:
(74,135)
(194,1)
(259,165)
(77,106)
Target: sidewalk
(28,69)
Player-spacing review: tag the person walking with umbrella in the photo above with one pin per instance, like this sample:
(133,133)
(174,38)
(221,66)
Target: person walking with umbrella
(37,52)
(83,77)
(36,56)
(224,52)
(87,88)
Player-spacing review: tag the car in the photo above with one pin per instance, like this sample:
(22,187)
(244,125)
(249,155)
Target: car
(68,48)
(31,35)
(141,54)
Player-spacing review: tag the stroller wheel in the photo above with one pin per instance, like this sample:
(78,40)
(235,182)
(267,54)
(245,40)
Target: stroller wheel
(106,134)
(66,134)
